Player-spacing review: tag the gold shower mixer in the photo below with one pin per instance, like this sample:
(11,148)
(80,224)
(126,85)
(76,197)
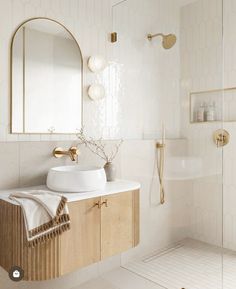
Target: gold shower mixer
(221,137)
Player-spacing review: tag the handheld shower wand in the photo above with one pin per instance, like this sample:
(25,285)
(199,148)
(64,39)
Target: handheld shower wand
(160,164)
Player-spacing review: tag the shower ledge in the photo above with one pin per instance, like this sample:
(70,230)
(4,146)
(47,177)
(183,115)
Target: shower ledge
(183,168)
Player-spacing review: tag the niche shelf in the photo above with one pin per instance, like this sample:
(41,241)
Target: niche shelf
(224,100)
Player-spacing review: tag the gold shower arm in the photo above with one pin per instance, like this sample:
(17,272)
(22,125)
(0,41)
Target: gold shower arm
(168,41)
(150,36)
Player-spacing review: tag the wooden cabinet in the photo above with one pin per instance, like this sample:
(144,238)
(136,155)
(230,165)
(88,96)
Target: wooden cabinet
(100,227)
(80,246)
(117,224)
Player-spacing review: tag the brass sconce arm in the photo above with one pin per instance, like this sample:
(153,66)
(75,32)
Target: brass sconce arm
(73,152)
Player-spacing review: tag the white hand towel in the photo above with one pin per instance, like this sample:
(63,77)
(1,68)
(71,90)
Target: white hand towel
(45,214)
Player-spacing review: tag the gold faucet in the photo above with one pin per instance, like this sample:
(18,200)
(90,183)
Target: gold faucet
(73,152)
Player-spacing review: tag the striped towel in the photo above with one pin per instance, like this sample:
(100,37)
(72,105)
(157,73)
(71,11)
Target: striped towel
(45,214)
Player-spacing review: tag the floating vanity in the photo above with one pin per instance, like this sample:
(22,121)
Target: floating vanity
(103,224)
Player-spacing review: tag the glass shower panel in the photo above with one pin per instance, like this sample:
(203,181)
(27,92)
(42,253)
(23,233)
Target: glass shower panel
(201,50)
(229,153)
(184,87)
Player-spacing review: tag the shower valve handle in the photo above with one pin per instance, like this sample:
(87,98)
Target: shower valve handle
(221,137)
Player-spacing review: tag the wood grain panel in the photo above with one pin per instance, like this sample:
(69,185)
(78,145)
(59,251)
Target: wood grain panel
(136,217)
(39,263)
(81,245)
(117,224)
(96,233)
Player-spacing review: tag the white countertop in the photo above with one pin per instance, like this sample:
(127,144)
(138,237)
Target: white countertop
(118,186)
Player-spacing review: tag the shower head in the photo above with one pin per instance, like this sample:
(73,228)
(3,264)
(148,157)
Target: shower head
(168,41)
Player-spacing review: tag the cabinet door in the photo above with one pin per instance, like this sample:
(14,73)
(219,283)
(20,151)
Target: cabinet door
(80,246)
(117,223)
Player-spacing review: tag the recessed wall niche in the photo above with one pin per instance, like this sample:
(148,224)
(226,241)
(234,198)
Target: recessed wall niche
(213,105)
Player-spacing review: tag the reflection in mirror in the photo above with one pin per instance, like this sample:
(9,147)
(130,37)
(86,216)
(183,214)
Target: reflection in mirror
(46,79)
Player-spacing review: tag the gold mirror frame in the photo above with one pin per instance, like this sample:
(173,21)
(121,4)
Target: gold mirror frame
(11,80)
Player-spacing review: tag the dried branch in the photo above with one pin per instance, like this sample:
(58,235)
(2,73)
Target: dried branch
(115,151)
(98,147)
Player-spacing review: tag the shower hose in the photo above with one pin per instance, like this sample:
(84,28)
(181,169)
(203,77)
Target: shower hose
(160,169)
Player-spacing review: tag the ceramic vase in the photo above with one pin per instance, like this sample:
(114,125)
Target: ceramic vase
(110,171)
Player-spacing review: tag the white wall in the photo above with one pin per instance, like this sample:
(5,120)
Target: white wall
(208,62)
(148,75)
(202,69)
(141,80)
(229,159)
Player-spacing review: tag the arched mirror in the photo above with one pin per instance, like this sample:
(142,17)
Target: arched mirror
(46,79)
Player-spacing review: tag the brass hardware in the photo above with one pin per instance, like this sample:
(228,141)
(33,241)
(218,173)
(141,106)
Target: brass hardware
(160,169)
(160,145)
(23,72)
(221,137)
(11,78)
(113,37)
(98,204)
(105,203)
(168,41)
(73,152)
(150,36)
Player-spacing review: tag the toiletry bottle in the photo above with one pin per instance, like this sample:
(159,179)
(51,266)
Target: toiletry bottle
(201,113)
(211,112)
(214,110)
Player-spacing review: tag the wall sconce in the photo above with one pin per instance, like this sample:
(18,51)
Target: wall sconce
(96,63)
(96,92)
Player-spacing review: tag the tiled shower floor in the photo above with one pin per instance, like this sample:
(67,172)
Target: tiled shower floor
(191,265)
(119,279)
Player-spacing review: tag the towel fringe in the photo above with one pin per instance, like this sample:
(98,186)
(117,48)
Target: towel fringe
(49,236)
(61,205)
(52,223)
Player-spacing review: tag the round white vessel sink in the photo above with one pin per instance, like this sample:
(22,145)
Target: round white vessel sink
(76,179)
(182,168)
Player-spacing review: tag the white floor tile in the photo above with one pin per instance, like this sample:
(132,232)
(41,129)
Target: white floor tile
(190,264)
(119,279)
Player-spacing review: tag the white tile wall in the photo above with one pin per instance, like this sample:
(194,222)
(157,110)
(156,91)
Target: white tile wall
(229,160)
(149,75)
(141,80)
(208,62)
(202,69)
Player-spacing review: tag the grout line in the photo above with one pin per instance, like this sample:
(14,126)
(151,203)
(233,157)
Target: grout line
(139,275)
(120,2)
